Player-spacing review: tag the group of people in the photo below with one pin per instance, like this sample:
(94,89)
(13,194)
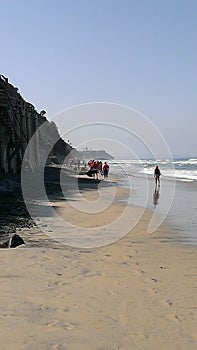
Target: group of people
(96,168)
(74,163)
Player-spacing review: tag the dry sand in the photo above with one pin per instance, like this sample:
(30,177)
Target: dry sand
(137,293)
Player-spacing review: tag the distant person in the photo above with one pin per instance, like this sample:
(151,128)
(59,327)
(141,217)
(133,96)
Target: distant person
(94,169)
(100,166)
(78,164)
(105,170)
(70,162)
(90,163)
(157,175)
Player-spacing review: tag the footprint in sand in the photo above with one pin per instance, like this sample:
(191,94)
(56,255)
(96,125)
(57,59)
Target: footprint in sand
(57,347)
(69,326)
(154,280)
(173,317)
(166,303)
(169,303)
(148,282)
(138,335)
(112,292)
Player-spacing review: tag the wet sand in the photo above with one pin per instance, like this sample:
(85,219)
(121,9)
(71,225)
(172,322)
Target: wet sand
(136,293)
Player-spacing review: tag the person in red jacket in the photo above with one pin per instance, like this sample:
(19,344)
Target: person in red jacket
(105,170)
(94,169)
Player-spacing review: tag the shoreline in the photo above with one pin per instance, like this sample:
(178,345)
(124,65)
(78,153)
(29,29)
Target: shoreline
(180,217)
(54,191)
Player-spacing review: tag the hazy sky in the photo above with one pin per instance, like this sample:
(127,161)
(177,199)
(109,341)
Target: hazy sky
(138,53)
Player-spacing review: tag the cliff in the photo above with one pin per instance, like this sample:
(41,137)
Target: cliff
(19,121)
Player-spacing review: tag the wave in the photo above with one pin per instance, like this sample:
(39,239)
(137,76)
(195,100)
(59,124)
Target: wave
(182,169)
(182,174)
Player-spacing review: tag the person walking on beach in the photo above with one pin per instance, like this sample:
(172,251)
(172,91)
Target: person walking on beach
(105,170)
(157,175)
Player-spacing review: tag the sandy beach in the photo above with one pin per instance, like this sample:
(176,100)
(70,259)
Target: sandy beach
(139,292)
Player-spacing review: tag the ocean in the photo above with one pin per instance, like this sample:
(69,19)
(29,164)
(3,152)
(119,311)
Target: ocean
(175,201)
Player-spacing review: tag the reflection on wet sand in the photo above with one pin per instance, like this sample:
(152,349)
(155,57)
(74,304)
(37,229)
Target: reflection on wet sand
(156,196)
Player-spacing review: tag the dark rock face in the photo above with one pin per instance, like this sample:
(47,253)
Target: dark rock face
(13,216)
(4,244)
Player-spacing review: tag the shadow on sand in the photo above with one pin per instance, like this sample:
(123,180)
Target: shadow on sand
(156,195)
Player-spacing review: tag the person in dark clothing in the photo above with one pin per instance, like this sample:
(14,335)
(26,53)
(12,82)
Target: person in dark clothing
(157,175)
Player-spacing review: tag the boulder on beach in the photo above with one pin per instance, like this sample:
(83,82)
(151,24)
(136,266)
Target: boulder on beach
(16,240)
(13,242)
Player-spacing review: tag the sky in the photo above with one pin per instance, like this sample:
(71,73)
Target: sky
(136,53)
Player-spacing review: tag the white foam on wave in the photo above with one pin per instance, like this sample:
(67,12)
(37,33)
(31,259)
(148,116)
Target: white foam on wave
(182,169)
(179,174)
